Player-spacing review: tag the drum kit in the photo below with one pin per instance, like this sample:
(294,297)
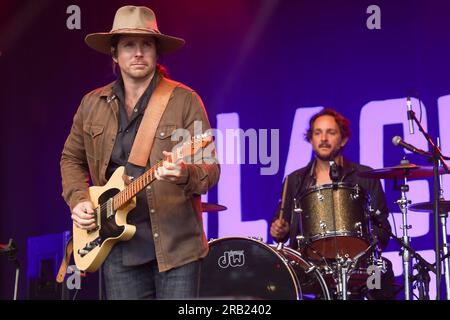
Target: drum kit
(337,253)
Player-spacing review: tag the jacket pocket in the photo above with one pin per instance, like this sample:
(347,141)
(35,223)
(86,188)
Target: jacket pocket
(93,130)
(93,138)
(163,141)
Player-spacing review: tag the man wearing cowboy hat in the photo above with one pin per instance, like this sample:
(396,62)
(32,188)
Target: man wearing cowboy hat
(162,260)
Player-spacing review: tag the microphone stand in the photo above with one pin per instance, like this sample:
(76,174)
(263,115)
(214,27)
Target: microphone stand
(10,250)
(436,157)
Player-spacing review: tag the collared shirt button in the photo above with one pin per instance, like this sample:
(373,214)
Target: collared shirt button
(149,188)
(152,210)
(162,134)
(156,235)
(135,110)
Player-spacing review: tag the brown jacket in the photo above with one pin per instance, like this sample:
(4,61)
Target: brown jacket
(175,210)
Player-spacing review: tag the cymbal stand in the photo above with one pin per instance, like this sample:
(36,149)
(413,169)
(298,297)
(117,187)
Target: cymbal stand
(406,257)
(443,217)
(445,251)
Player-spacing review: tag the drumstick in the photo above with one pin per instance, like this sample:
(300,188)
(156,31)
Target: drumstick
(283,198)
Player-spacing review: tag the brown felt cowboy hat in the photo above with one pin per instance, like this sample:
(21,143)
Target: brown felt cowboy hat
(131,20)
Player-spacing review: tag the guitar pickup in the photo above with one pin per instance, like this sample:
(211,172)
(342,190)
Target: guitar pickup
(98,218)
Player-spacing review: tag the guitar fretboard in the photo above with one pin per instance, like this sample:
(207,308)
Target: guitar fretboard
(135,186)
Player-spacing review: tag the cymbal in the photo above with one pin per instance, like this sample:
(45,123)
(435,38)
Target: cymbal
(444,206)
(410,171)
(212,207)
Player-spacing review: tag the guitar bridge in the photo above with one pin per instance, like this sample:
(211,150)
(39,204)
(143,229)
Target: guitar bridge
(90,246)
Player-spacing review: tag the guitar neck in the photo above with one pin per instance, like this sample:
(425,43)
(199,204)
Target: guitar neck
(188,149)
(135,186)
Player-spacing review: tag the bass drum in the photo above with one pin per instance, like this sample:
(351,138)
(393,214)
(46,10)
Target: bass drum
(238,267)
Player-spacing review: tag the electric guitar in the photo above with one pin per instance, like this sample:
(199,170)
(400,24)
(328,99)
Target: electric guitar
(113,202)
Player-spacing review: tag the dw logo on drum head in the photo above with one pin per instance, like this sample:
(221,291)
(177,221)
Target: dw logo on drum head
(231,258)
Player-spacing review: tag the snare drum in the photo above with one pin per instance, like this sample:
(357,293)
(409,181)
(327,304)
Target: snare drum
(334,221)
(249,268)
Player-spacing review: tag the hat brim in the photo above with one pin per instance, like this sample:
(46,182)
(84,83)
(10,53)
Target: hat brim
(101,41)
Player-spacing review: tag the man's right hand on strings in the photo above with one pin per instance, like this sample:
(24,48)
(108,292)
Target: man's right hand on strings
(83,215)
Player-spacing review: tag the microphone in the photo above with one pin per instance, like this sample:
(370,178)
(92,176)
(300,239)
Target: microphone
(334,171)
(410,117)
(398,141)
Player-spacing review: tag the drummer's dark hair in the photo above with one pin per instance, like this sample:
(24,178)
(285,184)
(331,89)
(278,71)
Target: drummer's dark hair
(343,123)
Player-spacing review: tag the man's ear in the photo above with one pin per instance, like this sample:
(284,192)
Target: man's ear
(113,55)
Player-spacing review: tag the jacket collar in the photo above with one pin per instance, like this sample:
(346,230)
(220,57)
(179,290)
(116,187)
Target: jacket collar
(107,92)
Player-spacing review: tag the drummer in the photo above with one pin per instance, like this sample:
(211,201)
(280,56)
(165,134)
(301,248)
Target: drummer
(328,133)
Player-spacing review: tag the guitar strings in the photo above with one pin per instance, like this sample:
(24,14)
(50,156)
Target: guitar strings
(103,206)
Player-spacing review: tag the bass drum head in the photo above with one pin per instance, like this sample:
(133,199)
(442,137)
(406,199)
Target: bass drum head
(246,268)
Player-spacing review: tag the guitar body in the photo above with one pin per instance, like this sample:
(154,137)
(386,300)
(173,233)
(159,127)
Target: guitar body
(90,248)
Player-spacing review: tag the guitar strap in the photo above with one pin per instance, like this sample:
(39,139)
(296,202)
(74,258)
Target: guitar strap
(143,143)
(68,250)
(140,152)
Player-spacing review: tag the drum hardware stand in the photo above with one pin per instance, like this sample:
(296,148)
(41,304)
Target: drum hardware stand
(373,248)
(445,251)
(443,217)
(446,255)
(406,257)
(424,265)
(438,159)
(422,279)
(376,252)
(10,250)
(344,267)
(302,242)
